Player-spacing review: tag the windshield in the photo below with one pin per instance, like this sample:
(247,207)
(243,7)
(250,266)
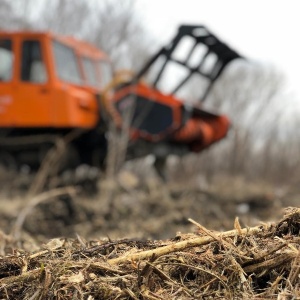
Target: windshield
(6,60)
(66,64)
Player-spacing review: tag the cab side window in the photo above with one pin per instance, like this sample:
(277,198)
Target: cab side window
(6,60)
(33,67)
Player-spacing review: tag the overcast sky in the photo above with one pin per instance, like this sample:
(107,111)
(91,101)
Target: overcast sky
(264,30)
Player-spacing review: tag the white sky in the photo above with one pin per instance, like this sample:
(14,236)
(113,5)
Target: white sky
(264,30)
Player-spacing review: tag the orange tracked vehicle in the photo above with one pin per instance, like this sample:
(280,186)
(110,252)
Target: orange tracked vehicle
(51,86)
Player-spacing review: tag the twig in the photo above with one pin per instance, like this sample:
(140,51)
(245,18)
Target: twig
(271,263)
(194,242)
(295,269)
(40,179)
(51,161)
(258,257)
(34,202)
(25,277)
(208,232)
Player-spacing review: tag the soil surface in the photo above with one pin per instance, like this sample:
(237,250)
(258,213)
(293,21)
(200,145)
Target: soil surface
(132,205)
(138,237)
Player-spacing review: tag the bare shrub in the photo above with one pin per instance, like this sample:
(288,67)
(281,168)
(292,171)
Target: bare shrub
(262,141)
(111,25)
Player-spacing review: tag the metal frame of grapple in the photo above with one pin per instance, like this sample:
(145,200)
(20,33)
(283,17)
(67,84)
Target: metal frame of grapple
(201,35)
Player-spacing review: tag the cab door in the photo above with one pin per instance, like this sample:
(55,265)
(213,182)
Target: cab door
(32,101)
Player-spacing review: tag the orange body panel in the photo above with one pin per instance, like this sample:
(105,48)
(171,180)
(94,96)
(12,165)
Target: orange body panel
(201,133)
(55,102)
(197,132)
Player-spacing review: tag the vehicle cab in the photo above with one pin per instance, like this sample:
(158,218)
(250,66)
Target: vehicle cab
(50,81)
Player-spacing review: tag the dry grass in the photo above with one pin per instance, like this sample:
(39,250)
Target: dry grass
(251,263)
